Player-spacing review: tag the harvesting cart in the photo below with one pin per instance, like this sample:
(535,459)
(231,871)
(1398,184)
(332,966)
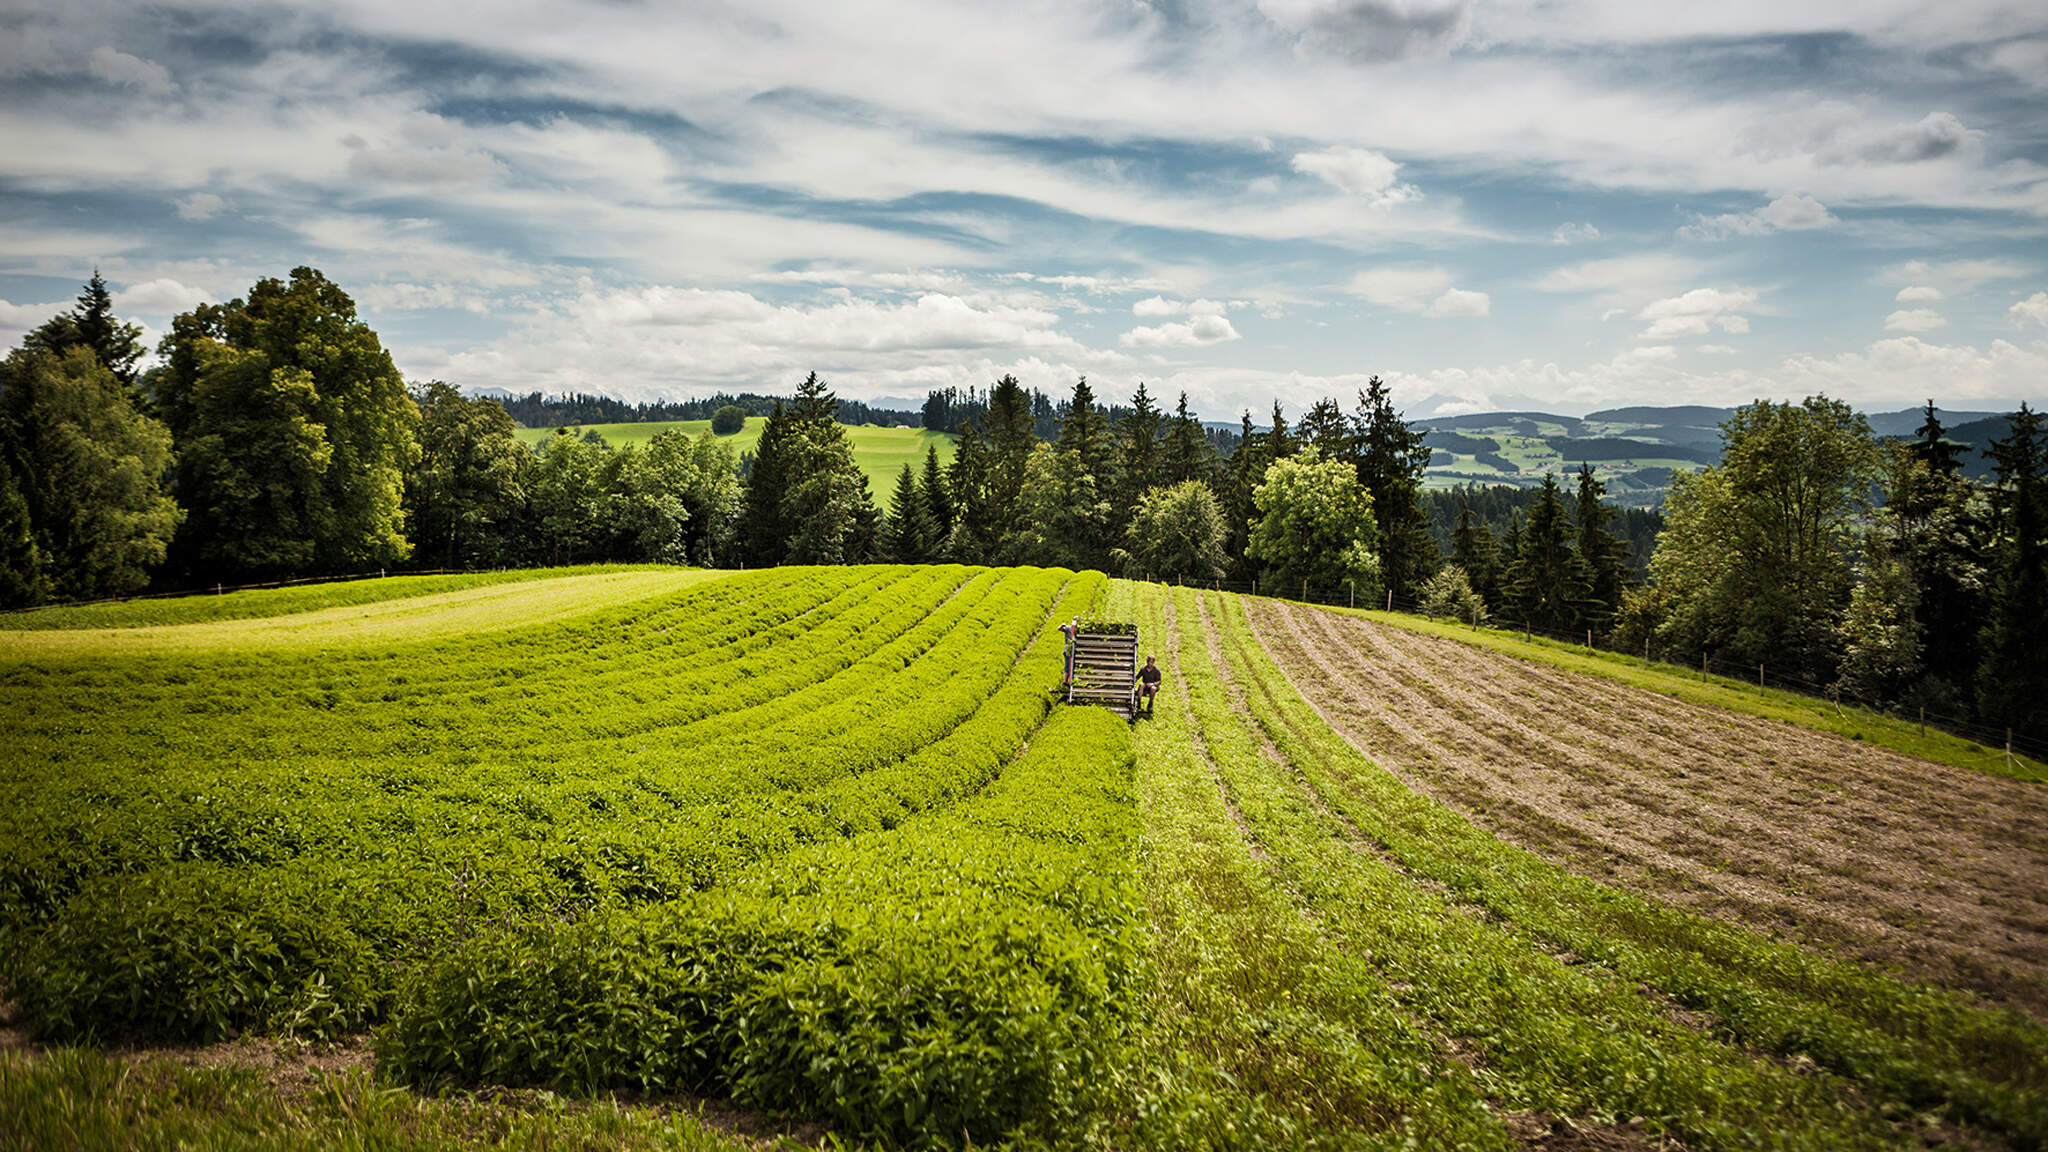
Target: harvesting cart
(1102,665)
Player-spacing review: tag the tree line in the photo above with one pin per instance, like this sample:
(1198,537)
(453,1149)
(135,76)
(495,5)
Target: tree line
(539,410)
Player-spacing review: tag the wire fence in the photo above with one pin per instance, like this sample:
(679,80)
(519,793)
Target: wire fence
(1999,743)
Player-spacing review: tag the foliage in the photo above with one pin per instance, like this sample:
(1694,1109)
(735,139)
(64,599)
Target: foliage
(1176,531)
(729,418)
(1315,526)
(83,510)
(1755,552)
(93,326)
(293,433)
(464,498)
(1450,594)
(2013,679)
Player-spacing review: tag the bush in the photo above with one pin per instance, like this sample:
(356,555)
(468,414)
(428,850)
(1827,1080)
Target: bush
(728,420)
(1449,593)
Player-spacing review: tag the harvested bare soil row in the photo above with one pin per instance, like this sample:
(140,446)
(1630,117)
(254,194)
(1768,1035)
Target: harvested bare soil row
(1937,871)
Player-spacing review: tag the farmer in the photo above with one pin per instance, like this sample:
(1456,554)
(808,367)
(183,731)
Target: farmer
(1148,683)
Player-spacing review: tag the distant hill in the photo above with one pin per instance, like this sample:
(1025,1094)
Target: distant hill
(880,453)
(1635,450)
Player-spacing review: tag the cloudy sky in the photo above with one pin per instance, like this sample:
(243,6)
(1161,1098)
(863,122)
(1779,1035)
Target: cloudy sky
(1556,204)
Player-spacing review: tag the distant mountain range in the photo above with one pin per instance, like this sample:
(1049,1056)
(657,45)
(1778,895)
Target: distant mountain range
(1635,450)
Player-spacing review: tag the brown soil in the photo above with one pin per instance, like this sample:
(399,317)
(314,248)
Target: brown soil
(1936,871)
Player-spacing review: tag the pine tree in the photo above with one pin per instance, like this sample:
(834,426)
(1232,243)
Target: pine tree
(938,502)
(908,535)
(1474,553)
(761,530)
(2012,682)
(1601,553)
(1138,438)
(1279,445)
(1548,584)
(967,483)
(1391,457)
(93,325)
(1942,457)
(1189,455)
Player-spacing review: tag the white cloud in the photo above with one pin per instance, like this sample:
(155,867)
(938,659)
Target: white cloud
(1153,307)
(1623,283)
(1716,349)
(1697,312)
(119,68)
(1574,233)
(1459,302)
(2032,310)
(1358,171)
(1788,213)
(1959,275)
(160,297)
(1918,294)
(1373,31)
(201,206)
(1915,320)
(22,317)
(1199,332)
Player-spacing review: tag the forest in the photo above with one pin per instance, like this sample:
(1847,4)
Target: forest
(274,439)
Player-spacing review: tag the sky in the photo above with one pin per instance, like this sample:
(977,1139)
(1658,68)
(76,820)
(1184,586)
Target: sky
(1562,205)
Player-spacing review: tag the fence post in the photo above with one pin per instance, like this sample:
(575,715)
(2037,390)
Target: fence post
(1255,585)
(1759,673)
(1390,599)
(216,589)
(1351,586)
(1703,662)
(1923,719)
(2008,747)
(1304,591)
(1589,640)
(1646,651)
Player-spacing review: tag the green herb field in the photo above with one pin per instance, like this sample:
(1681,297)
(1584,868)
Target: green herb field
(819,844)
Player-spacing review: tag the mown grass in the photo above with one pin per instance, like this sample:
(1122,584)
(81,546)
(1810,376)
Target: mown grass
(1908,1048)
(1849,720)
(264,603)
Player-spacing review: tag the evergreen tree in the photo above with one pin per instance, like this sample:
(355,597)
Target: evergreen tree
(1391,457)
(1071,495)
(967,483)
(2012,682)
(1279,445)
(1247,470)
(1325,427)
(1473,553)
(1138,443)
(1603,555)
(1942,457)
(1547,588)
(93,325)
(938,502)
(909,535)
(1189,455)
(825,512)
(761,526)
(1011,434)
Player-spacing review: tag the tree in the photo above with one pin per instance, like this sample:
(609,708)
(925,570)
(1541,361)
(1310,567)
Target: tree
(1879,635)
(1247,471)
(1071,489)
(1548,583)
(1009,435)
(761,512)
(967,483)
(1755,551)
(93,325)
(1177,531)
(911,534)
(1473,553)
(83,511)
(1450,594)
(566,490)
(1325,427)
(1933,527)
(1942,456)
(1601,553)
(1316,526)
(807,502)
(294,433)
(1391,456)
(938,501)
(673,502)
(2013,679)
(1189,455)
(728,420)
(464,499)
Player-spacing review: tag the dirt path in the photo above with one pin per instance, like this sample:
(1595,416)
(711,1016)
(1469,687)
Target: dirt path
(1936,871)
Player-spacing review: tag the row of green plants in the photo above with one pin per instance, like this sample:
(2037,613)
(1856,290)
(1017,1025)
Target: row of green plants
(168,873)
(964,974)
(1570,988)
